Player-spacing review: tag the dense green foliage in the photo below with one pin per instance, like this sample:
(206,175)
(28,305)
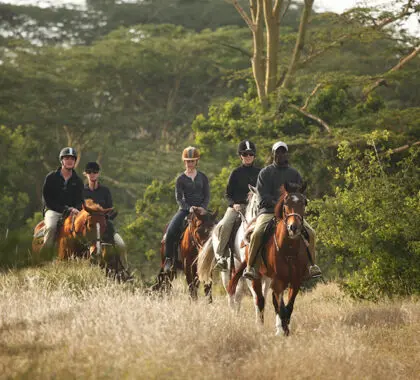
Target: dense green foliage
(130,84)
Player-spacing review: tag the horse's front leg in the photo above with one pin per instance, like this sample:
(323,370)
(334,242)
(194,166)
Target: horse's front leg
(208,292)
(282,312)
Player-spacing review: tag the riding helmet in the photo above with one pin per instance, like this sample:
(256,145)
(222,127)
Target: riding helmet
(92,167)
(247,146)
(190,153)
(67,151)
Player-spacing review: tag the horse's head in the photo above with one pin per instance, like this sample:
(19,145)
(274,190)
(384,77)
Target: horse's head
(92,220)
(291,208)
(201,225)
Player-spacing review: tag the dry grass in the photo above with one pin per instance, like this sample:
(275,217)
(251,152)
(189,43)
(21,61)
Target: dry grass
(66,321)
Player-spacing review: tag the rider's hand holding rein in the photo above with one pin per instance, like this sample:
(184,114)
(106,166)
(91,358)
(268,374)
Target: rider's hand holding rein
(73,211)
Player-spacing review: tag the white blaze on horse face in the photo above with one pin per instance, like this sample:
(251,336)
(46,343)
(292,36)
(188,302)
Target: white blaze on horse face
(294,198)
(98,239)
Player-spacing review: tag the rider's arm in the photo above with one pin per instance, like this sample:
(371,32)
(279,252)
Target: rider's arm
(264,187)
(206,193)
(229,189)
(179,195)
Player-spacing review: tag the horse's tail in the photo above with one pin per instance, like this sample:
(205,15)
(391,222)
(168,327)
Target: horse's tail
(231,288)
(205,261)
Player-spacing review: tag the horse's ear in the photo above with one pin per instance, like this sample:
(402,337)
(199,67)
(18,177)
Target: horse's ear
(303,187)
(108,210)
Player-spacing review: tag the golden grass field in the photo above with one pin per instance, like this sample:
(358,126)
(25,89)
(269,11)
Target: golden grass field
(65,321)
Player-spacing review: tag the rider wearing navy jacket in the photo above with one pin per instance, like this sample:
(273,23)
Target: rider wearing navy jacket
(102,195)
(62,190)
(237,195)
(192,191)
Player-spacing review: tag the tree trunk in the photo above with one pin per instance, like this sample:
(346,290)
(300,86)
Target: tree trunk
(300,42)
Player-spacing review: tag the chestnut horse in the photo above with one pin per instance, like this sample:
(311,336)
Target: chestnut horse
(285,258)
(195,235)
(79,235)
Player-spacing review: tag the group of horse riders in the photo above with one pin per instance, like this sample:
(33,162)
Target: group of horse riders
(192,193)
(64,192)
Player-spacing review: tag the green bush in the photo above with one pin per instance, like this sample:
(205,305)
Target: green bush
(368,231)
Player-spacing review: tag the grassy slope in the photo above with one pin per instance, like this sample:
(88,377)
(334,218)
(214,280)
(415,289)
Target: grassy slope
(65,321)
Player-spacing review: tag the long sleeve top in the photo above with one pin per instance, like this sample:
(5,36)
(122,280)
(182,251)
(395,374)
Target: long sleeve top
(269,182)
(57,194)
(237,188)
(101,195)
(190,192)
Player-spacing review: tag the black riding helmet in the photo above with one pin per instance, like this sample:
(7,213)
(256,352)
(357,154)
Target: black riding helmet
(67,151)
(247,146)
(92,167)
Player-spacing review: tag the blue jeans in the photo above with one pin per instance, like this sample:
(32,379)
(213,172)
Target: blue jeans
(173,233)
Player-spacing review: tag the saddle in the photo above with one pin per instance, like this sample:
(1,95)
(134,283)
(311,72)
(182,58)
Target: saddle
(39,230)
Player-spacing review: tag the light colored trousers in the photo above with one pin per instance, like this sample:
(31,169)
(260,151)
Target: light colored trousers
(226,226)
(254,260)
(51,219)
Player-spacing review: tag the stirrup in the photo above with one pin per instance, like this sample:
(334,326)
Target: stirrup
(251,274)
(315,271)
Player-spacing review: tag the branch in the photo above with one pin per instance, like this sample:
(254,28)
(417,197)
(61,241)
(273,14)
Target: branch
(300,42)
(314,91)
(121,185)
(313,117)
(243,14)
(286,8)
(381,25)
(402,148)
(398,66)
(243,51)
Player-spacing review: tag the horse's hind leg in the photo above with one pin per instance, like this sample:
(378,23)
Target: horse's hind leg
(257,294)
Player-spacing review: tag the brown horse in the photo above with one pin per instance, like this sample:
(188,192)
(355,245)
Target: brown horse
(79,235)
(195,235)
(285,258)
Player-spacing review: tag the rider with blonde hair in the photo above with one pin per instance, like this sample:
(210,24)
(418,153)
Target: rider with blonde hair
(192,192)
(102,196)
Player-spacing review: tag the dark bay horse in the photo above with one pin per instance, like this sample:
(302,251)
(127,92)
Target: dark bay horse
(285,257)
(195,235)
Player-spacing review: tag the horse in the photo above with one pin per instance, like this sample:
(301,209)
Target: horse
(194,236)
(81,236)
(206,257)
(285,258)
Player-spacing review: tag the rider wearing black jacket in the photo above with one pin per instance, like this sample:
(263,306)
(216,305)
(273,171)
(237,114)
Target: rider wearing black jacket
(237,195)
